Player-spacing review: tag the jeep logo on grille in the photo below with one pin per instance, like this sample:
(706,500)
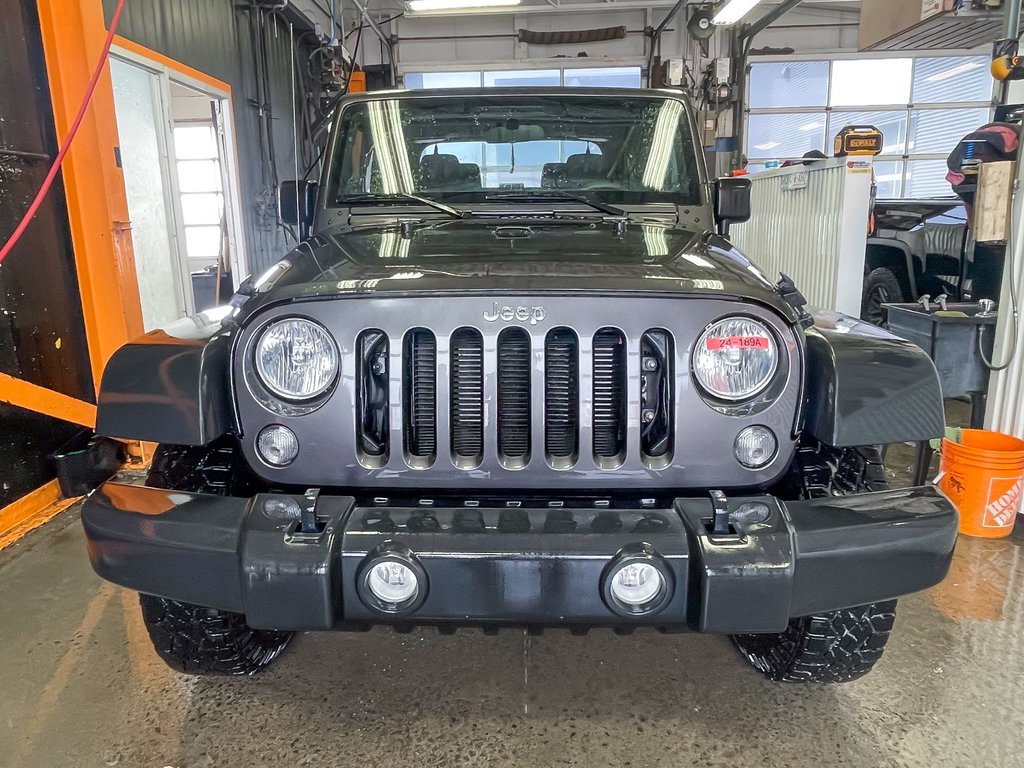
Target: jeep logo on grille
(508,313)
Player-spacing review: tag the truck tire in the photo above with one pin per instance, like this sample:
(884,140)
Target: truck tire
(204,641)
(834,646)
(189,638)
(881,286)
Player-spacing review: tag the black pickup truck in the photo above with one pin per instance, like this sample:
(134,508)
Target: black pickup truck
(515,376)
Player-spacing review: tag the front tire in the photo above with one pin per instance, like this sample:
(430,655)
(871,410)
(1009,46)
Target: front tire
(833,646)
(203,641)
(881,286)
(192,639)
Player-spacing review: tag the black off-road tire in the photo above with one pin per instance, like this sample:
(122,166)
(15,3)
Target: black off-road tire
(881,286)
(834,647)
(189,638)
(203,641)
(837,646)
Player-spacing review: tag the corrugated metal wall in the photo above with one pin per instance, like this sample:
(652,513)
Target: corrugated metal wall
(217,37)
(811,223)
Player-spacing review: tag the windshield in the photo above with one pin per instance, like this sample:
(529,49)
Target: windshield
(459,148)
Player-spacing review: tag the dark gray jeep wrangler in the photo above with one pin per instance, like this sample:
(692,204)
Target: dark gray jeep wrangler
(515,376)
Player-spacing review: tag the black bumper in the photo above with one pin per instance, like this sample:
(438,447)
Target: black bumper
(541,564)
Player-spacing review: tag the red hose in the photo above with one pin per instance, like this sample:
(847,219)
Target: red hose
(55,168)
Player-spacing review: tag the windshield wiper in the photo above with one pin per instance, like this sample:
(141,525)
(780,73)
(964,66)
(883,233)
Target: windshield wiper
(535,197)
(452,211)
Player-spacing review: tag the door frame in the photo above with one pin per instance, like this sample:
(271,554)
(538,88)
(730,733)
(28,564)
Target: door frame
(168,70)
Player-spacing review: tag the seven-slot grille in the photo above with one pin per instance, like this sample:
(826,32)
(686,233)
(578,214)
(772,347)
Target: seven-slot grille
(522,364)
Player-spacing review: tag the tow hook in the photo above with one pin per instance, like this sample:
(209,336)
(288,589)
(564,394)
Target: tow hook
(308,523)
(720,521)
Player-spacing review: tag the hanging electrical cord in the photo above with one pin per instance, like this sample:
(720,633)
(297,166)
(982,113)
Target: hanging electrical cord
(44,189)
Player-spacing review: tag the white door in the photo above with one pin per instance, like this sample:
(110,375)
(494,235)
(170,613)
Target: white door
(141,126)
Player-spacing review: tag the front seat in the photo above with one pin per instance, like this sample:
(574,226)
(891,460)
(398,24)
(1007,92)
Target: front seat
(584,168)
(439,171)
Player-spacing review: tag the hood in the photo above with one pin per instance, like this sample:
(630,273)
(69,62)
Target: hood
(527,256)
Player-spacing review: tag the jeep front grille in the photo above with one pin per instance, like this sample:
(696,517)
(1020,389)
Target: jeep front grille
(426,359)
(577,393)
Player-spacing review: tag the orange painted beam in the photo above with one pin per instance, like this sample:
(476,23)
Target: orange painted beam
(41,400)
(30,511)
(73,33)
(172,64)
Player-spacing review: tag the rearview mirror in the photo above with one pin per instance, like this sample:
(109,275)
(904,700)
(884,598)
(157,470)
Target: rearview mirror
(296,205)
(732,201)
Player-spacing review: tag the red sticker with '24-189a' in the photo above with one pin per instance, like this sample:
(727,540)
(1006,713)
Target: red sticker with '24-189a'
(738,342)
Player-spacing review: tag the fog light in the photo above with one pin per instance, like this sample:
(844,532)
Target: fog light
(277,446)
(755,447)
(637,582)
(392,580)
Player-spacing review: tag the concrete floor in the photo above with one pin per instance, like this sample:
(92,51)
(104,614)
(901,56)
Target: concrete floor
(81,686)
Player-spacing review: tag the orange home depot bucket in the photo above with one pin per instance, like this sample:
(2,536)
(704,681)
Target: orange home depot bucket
(983,475)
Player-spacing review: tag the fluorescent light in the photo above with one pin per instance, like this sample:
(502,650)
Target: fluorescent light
(767,145)
(953,72)
(734,11)
(810,126)
(448,5)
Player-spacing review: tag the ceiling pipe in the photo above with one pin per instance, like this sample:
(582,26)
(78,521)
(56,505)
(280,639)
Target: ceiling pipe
(742,41)
(656,37)
(380,33)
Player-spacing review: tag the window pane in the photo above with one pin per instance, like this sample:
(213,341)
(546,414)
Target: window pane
(889,178)
(951,79)
(927,178)
(789,84)
(201,209)
(524,77)
(939,130)
(785,136)
(193,142)
(199,176)
(202,242)
(606,77)
(863,82)
(416,80)
(892,124)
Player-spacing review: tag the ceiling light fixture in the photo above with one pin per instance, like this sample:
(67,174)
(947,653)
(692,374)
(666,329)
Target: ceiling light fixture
(733,11)
(464,5)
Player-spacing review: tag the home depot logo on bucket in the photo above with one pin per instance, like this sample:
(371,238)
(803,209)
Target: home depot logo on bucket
(1002,509)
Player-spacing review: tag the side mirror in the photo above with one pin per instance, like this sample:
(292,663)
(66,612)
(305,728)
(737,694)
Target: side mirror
(732,201)
(296,204)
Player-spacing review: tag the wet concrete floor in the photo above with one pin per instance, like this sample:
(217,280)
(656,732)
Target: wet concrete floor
(81,686)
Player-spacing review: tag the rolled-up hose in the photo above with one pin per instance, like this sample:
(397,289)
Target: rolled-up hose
(59,160)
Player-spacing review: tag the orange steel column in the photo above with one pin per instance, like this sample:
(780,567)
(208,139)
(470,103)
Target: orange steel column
(73,33)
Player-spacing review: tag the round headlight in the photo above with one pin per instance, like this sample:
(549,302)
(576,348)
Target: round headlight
(735,358)
(296,359)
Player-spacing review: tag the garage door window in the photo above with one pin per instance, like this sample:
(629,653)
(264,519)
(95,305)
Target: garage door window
(923,106)
(577,77)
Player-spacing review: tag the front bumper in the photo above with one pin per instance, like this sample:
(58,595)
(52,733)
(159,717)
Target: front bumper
(520,563)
